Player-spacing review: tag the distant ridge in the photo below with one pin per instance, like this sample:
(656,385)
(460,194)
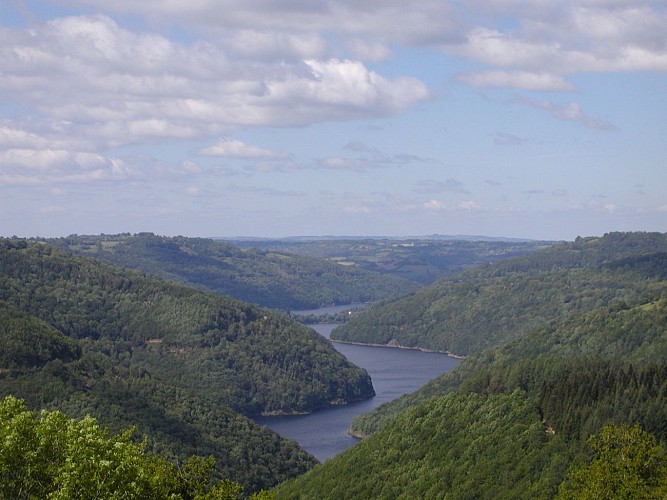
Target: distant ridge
(446,237)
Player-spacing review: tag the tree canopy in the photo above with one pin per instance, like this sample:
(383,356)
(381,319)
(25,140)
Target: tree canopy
(46,455)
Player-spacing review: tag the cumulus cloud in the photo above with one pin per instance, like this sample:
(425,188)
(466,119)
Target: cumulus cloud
(46,166)
(550,40)
(116,86)
(345,88)
(426,21)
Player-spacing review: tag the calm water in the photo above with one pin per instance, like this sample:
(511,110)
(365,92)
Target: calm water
(394,372)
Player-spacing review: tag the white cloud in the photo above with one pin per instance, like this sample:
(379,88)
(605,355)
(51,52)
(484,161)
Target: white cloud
(426,21)
(434,205)
(232,148)
(114,86)
(549,40)
(468,205)
(48,167)
(346,88)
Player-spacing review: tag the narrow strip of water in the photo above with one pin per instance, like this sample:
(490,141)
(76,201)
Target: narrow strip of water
(394,372)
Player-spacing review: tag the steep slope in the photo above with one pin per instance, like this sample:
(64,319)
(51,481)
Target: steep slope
(516,419)
(269,278)
(634,332)
(84,336)
(491,305)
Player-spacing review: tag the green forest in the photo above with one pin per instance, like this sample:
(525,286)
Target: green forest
(269,278)
(492,304)
(562,392)
(574,408)
(85,337)
(421,260)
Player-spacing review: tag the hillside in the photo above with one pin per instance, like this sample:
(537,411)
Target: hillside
(83,336)
(493,304)
(268,278)
(634,334)
(521,421)
(422,260)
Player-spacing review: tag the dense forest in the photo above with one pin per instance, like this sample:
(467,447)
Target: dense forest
(492,304)
(77,459)
(576,408)
(269,278)
(85,337)
(422,260)
(562,394)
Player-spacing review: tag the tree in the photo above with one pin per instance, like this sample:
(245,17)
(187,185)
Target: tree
(51,456)
(629,463)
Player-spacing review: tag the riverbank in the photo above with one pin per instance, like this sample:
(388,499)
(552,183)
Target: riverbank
(394,372)
(394,345)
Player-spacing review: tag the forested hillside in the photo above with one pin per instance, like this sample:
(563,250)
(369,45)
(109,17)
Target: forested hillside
(268,278)
(490,305)
(83,336)
(571,408)
(422,260)
(634,334)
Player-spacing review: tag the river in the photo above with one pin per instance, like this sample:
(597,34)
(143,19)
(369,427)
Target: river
(394,372)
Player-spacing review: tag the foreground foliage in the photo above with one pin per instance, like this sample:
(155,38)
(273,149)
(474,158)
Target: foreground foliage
(629,463)
(47,455)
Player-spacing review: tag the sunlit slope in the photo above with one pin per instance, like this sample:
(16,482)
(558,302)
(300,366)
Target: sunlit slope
(490,305)
(629,333)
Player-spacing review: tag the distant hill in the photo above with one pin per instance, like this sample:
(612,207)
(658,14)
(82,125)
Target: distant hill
(419,259)
(84,336)
(516,421)
(493,304)
(265,277)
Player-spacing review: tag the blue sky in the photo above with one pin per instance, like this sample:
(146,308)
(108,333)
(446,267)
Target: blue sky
(542,119)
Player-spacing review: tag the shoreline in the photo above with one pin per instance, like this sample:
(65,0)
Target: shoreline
(397,346)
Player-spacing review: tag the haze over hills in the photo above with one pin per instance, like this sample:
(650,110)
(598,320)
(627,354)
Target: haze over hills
(421,259)
(270,278)
(432,237)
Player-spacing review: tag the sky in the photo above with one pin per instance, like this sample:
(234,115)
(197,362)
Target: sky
(538,119)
